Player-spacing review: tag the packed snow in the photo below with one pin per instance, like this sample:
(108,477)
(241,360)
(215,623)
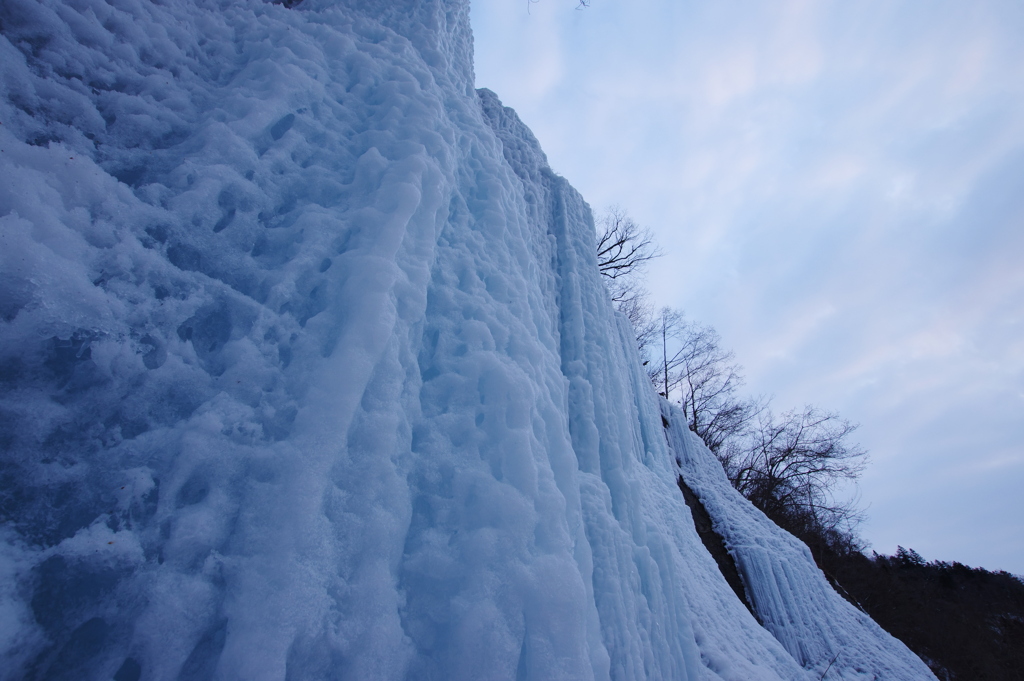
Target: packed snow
(308,373)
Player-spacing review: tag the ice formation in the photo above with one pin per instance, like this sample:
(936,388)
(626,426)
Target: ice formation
(308,373)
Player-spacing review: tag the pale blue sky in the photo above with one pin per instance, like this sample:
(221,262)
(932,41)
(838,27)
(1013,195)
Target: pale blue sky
(839,189)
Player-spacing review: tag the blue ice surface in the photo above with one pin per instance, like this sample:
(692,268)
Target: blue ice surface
(308,373)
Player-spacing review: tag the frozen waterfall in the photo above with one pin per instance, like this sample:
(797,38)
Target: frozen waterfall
(307,372)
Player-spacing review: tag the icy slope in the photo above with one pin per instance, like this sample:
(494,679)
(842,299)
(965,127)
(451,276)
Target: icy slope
(787,591)
(306,372)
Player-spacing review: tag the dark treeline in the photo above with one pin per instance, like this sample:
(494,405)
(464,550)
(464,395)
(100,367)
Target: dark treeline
(966,623)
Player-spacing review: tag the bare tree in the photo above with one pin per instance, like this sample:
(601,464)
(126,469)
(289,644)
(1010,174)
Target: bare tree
(705,377)
(623,247)
(667,329)
(623,251)
(709,379)
(792,466)
(638,311)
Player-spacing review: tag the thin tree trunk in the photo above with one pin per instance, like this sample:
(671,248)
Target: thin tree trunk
(664,350)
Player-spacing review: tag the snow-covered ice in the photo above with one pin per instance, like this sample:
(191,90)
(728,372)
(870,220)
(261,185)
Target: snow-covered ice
(307,372)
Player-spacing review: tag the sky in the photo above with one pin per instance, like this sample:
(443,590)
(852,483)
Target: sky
(838,188)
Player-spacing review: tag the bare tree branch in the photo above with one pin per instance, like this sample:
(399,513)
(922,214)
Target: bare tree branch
(623,247)
(791,466)
(704,376)
(623,250)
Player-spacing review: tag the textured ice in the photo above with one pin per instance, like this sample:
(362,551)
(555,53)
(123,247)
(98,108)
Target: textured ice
(307,372)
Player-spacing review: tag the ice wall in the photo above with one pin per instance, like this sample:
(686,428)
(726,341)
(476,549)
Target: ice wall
(307,372)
